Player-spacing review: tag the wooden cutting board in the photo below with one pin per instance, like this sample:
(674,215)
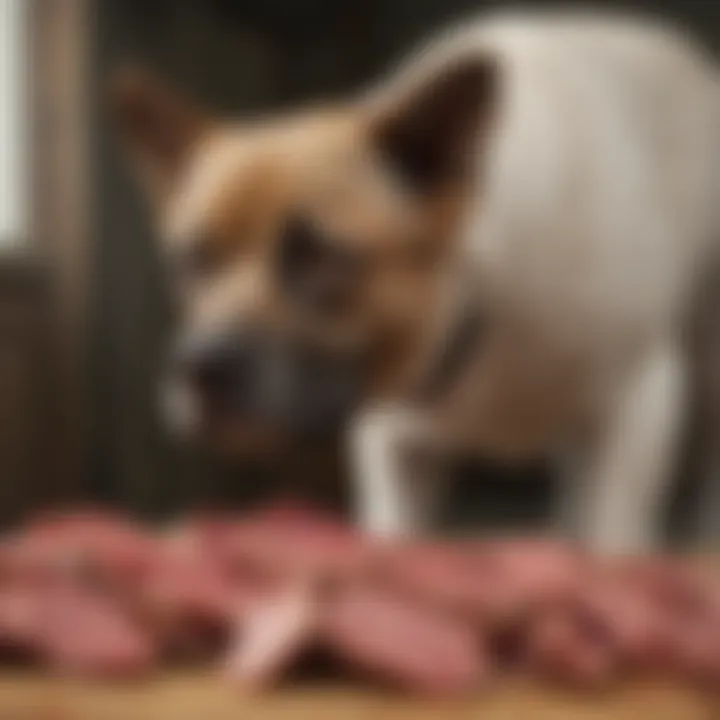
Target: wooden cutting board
(195,697)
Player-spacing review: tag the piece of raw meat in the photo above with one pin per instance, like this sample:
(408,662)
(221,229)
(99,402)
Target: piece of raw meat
(271,636)
(91,636)
(19,621)
(403,643)
(561,649)
(293,542)
(94,548)
(187,601)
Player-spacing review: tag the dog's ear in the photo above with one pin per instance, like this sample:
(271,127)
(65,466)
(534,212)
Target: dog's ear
(158,125)
(428,130)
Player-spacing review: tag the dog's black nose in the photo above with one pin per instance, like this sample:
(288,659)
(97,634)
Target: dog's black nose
(214,373)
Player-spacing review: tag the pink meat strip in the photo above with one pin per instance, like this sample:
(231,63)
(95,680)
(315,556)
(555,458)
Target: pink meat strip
(271,636)
(94,547)
(284,542)
(91,636)
(19,619)
(403,643)
(560,649)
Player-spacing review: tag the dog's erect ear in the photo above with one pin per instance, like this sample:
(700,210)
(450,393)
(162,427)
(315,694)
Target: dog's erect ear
(428,130)
(158,125)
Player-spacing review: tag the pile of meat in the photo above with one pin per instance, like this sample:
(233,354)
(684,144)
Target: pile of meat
(94,595)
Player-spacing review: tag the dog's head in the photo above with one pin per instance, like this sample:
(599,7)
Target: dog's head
(306,252)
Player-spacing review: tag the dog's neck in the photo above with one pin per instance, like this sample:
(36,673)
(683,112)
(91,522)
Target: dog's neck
(460,342)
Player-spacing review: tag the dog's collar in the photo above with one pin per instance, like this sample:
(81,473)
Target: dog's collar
(454,349)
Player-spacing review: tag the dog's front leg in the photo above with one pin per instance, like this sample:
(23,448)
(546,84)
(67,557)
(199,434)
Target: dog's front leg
(626,477)
(397,480)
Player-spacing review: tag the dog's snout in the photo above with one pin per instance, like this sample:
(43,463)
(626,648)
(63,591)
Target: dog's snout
(218,368)
(256,377)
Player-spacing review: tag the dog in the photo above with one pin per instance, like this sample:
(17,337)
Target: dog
(494,250)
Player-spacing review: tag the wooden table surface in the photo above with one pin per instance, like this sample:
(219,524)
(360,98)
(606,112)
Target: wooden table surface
(193,697)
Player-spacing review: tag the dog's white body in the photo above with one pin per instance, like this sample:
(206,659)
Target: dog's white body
(597,206)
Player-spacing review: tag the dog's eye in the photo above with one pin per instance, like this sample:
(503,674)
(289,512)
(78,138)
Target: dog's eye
(315,272)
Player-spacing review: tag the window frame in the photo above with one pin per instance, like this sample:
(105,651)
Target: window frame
(18,249)
(54,259)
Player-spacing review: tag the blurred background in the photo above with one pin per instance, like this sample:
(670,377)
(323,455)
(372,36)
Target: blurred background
(84,314)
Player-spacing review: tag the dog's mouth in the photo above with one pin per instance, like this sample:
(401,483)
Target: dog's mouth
(190,415)
(281,395)
(239,436)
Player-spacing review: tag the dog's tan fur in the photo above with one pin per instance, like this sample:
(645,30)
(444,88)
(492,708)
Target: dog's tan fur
(238,184)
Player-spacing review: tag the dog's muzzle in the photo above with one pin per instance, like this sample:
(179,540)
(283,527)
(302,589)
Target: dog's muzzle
(263,380)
